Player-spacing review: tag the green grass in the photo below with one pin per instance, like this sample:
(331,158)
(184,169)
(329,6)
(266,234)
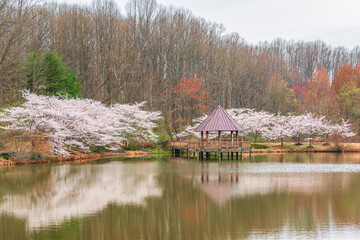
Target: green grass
(161,153)
(259,146)
(304,146)
(163,135)
(252,139)
(132,148)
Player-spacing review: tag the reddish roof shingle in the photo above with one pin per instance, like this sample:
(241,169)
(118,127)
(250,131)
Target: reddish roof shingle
(219,120)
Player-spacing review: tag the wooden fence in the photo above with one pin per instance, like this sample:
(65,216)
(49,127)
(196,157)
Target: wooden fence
(226,144)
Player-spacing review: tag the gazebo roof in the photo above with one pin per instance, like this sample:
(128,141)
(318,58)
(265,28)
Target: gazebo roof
(219,120)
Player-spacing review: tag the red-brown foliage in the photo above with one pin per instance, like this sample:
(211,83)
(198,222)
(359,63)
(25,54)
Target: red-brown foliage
(317,94)
(299,89)
(190,96)
(147,144)
(345,74)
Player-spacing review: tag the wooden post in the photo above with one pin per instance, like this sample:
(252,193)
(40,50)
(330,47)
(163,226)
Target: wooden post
(180,147)
(237,138)
(188,143)
(250,154)
(219,143)
(207,140)
(202,139)
(242,148)
(232,137)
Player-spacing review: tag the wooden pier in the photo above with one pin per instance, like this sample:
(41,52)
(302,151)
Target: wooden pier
(204,149)
(218,121)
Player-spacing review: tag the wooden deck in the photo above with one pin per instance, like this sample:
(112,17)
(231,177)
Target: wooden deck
(212,146)
(226,145)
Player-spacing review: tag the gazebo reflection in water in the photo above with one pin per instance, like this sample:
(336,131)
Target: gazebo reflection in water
(218,121)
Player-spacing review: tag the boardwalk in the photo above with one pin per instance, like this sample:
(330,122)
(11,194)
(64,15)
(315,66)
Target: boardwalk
(196,148)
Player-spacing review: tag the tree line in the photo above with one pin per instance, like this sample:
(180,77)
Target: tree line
(155,53)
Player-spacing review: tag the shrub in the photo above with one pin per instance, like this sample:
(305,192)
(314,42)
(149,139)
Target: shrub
(259,146)
(131,148)
(148,144)
(337,144)
(7,155)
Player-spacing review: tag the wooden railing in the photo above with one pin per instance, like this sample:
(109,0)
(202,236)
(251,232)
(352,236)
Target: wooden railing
(226,143)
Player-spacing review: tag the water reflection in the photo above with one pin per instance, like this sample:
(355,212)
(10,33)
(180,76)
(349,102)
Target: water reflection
(248,179)
(74,191)
(225,187)
(266,199)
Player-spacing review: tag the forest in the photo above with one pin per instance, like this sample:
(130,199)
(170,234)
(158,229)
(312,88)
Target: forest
(179,64)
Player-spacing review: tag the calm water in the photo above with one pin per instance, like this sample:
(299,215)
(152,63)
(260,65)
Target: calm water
(287,196)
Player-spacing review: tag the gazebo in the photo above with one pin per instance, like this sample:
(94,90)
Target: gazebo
(218,121)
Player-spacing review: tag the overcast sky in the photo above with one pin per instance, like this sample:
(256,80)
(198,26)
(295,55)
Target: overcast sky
(336,22)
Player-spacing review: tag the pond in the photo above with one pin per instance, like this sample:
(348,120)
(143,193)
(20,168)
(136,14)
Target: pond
(278,196)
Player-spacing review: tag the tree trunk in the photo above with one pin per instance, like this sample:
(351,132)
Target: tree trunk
(282,142)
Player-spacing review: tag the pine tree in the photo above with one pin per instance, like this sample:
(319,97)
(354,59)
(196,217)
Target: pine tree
(47,74)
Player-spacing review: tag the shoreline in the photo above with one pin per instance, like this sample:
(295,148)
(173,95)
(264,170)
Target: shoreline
(275,148)
(79,158)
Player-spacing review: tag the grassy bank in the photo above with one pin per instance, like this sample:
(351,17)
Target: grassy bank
(20,150)
(81,157)
(315,147)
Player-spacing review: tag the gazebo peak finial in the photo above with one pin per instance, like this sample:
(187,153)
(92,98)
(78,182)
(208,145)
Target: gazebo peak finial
(219,102)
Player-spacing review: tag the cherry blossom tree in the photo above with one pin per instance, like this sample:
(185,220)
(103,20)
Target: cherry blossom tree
(274,127)
(140,122)
(343,129)
(256,123)
(280,128)
(79,123)
(305,124)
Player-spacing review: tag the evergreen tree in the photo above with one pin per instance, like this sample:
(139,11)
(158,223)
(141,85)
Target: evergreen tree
(47,74)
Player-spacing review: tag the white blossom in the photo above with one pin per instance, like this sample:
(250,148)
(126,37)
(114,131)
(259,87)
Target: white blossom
(274,127)
(80,123)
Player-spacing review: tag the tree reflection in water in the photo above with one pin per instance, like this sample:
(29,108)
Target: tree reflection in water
(78,190)
(184,200)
